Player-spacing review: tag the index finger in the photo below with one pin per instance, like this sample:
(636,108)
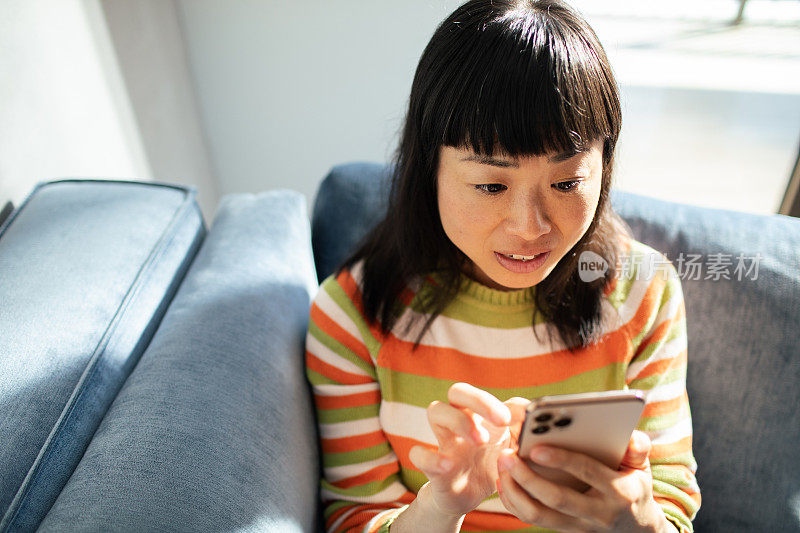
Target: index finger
(480,402)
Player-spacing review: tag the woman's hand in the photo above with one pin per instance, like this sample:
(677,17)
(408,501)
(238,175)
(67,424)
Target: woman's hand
(472,428)
(620,500)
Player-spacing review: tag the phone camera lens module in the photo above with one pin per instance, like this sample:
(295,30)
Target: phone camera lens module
(544,417)
(563,422)
(541,429)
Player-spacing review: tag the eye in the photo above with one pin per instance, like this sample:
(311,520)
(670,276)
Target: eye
(490,188)
(567,186)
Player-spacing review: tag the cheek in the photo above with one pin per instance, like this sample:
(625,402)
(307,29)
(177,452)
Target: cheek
(462,218)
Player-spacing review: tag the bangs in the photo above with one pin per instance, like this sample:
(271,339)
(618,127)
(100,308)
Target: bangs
(525,83)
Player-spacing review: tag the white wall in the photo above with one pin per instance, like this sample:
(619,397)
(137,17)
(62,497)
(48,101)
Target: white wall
(64,111)
(288,89)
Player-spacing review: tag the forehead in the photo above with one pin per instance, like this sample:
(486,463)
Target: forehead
(502,159)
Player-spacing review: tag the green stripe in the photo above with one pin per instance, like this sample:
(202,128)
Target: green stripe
(315,378)
(340,349)
(668,491)
(659,422)
(420,391)
(674,374)
(356,456)
(484,314)
(339,296)
(686,459)
(678,517)
(673,476)
(346,414)
(365,490)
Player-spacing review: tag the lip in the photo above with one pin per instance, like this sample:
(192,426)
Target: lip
(525,252)
(522,267)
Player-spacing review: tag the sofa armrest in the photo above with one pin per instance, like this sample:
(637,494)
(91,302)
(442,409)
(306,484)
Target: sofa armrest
(214,430)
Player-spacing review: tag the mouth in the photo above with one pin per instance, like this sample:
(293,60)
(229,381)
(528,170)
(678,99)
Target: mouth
(521,264)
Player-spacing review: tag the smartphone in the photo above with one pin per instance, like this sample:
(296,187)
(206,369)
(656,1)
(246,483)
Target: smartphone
(598,424)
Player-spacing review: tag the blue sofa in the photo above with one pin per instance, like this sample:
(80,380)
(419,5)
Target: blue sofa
(151,370)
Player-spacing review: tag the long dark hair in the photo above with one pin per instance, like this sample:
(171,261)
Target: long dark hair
(525,77)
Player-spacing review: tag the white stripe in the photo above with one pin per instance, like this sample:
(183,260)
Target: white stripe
(492,343)
(636,293)
(668,350)
(332,358)
(378,518)
(337,473)
(406,421)
(329,390)
(349,428)
(495,505)
(666,392)
(671,434)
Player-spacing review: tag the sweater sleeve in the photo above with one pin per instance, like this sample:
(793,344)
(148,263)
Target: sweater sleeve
(361,488)
(658,367)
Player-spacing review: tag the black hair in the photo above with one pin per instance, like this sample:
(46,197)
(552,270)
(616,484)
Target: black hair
(524,78)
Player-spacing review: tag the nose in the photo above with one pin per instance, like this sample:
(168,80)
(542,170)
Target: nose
(527,218)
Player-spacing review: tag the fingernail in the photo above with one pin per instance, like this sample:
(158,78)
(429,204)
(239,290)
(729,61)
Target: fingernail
(541,455)
(499,487)
(506,463)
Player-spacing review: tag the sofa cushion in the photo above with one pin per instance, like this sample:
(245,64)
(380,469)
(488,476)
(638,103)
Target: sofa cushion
(88,268)
(214,429)
(744,364)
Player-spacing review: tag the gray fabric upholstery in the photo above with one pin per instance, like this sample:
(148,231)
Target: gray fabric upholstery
(214,431)
(87,269)
(744,360)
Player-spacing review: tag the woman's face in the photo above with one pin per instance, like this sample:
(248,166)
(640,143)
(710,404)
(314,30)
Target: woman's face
(490,207)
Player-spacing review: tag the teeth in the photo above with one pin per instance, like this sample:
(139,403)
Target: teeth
(521,257)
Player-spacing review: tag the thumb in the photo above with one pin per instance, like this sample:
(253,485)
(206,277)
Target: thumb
(636,456)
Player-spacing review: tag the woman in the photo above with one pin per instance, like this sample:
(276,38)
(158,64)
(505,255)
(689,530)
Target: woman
(468,299)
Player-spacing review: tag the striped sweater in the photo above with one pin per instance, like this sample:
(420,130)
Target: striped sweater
(371,391)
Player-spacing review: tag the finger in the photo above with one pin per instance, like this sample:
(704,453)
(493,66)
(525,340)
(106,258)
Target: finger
(528,509)
(583,467)
(480,402)
(557,497)
(516,406)
(446,421)
(429,462)
(636,456)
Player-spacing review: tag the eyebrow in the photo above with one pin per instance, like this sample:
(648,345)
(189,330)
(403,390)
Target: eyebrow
(505,163)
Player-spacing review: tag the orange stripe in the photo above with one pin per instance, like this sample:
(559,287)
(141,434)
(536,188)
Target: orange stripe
(454,365)
(359,518)
(661,331)
(662,408)
(326,324)
(668,450)
(336,514)
(340,376)
(353,443)
(662,499)
(402,445)
(350,287)
(662,367)
(374,474)
(482,520)
(359,399)
(647,306)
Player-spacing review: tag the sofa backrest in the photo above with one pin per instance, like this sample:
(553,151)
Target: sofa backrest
(744,360)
